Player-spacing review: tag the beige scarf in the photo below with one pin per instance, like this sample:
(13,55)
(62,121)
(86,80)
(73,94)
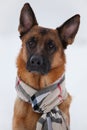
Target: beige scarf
(46,101)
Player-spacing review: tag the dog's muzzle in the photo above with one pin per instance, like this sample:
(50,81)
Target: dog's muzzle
(39,64)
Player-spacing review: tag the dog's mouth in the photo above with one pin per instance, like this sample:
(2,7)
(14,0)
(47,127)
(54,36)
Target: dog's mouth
(38,64)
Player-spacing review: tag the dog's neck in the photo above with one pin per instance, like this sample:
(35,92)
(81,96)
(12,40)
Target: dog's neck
(29,90)
(46,102)
(36,80)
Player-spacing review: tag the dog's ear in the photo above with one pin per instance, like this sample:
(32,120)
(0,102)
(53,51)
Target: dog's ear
(68,30)
(27,19)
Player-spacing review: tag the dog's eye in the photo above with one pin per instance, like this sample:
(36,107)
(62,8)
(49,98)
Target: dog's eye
(32,42)
(51,46)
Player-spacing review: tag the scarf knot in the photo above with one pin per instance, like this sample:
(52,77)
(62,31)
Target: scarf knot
(46,101)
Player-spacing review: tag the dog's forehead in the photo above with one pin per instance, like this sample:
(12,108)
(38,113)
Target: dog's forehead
(43,30)
(42,33)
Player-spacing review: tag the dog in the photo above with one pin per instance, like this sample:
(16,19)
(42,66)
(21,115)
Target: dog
(41,65)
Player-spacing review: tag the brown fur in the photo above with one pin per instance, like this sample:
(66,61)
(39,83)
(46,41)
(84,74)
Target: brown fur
(24,117)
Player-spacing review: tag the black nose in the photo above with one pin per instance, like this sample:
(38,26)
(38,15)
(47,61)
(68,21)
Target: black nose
(38,64)
(36,60)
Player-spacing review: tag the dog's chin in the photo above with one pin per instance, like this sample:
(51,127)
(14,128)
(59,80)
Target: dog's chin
(38,72)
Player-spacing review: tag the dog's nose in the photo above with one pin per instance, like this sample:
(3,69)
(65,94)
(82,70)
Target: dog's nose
(36,60)
(38,64)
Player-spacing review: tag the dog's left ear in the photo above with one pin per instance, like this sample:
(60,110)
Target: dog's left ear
(27,19)
(68,30)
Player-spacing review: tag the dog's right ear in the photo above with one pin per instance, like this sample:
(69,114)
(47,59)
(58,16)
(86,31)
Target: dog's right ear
(27,19)
(68,30)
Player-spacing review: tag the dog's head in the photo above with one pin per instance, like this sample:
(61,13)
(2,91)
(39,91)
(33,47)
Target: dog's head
(43,48)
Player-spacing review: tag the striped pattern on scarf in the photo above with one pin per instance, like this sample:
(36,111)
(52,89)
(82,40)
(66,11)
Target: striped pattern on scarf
(46,101)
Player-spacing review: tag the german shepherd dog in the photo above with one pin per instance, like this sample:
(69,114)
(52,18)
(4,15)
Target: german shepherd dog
(41,62)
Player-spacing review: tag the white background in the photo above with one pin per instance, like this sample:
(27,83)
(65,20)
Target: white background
(49,13)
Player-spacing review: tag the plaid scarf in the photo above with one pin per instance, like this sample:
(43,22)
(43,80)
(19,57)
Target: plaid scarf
(46,101)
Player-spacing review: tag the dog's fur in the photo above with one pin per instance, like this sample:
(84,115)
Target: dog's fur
(47,44)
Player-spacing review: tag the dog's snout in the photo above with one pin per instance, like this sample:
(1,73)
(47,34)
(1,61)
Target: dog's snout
(36,60)
(38,64)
